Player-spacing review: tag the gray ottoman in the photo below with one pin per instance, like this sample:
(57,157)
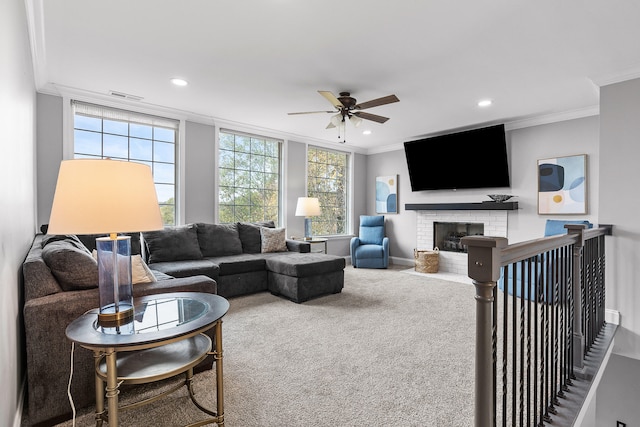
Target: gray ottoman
(303,276)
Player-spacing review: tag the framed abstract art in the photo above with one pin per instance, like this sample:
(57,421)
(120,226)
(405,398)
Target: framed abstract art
(562,185)
(387,194)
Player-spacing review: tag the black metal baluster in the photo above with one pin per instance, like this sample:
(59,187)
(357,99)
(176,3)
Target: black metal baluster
(494,351)
(505,344)
(514,347)
(530,412)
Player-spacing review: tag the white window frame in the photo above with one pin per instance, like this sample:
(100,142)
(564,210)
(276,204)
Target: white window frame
(68,138)
(349,187)
(281,174)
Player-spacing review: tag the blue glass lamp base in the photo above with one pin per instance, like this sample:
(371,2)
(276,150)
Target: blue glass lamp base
(307,229)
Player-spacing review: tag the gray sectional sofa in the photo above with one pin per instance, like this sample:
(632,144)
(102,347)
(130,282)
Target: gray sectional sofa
(238,257)
(60,284)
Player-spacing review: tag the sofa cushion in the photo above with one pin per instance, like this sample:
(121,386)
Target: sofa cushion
(172,244)
(219,239)
(186,268)
(304,265)
(71,263)
(236,264)
(250,235)
(273,239)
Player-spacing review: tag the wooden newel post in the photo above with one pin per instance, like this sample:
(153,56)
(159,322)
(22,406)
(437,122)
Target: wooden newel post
(576,274)
(484,269)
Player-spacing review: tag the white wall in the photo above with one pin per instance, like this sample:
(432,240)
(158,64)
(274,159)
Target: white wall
(17,192)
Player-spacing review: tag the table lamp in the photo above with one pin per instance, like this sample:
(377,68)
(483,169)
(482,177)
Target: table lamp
(103,196)
(307,207)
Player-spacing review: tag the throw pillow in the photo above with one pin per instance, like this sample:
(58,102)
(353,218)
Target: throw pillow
(273,239)
(250,235)
(172,244)
(219,239)
(72,266)
(140,271)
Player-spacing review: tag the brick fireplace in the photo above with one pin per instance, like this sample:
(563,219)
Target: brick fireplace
(494,224)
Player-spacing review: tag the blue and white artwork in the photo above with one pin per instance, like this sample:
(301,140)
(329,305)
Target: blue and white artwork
(387,194)
(562,185)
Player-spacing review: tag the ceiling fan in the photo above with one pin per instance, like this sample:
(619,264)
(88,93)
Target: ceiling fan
(348,108)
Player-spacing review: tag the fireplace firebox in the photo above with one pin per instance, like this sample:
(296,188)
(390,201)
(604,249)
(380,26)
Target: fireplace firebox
(447,235)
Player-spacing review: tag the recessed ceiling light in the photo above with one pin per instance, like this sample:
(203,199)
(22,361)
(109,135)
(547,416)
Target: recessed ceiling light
(366,132)
(179,82)
(485,103)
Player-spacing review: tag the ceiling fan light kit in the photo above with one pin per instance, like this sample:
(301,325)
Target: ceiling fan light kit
(348,108)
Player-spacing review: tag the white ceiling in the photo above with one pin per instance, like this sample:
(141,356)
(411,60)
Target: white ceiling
(250,62)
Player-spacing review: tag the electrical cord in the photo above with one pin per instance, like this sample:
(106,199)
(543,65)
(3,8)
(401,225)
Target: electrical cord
(73,408)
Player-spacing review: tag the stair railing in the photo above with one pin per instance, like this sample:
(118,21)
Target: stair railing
(540,308)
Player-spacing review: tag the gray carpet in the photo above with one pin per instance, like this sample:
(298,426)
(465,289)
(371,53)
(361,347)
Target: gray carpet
(391,349)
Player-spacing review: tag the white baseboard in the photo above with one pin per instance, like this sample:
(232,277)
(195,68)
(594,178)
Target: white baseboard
(402,261)
(612,316)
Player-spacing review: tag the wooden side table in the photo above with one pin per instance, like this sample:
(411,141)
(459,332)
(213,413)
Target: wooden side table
(317,241)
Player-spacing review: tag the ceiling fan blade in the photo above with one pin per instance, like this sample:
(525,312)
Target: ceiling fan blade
(310,112)
(375,102)
(331,98)
(369,116)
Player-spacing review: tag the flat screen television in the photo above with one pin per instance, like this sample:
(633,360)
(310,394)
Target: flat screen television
(470,159)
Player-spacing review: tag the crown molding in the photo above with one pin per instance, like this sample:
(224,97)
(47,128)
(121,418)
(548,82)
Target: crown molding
(545,119)
(617,77)
(35,27)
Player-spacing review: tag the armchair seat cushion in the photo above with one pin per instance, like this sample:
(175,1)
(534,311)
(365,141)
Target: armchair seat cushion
(369,251)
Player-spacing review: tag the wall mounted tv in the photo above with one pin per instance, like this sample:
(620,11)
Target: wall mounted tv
(471,159)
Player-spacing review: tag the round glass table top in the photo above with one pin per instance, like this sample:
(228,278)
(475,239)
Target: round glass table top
(156,318)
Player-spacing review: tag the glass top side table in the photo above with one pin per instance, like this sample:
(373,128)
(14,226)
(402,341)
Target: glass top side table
(163,326)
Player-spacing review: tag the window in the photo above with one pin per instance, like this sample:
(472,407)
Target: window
(102,132)
(328,180)
(249,178)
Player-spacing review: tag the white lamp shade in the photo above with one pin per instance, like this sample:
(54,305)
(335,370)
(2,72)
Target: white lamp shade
(103,197)
(308,206)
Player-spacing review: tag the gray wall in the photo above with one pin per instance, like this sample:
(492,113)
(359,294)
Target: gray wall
(619,394)
(295,168)
(49,151)
(525,147)
(17,192)
(200,175)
